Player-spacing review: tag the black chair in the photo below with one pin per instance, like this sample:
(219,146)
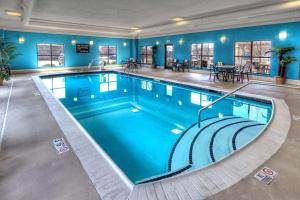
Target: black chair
(213,70)
(175,65)
(185,65)
(237,73)
(246,71)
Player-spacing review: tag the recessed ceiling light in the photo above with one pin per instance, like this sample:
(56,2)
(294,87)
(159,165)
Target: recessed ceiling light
(178,19)
(292,4)
(181,23)
(14,13)
(138,31)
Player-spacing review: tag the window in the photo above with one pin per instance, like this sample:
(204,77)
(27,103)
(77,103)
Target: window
(202,54)
(108,54)
(50,55)
(146,55)
(255,53)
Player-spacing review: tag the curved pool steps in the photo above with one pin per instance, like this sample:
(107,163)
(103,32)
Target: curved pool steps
(200,145)
(220,143)
(179,155)
(243,130)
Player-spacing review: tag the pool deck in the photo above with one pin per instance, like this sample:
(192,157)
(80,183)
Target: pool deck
(30,163)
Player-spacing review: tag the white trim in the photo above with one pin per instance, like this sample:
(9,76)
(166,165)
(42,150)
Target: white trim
(6,112)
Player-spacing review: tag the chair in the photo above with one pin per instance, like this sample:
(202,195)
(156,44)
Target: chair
(174,66)
(237,73)
(185,65)
(246,71)
(213,70)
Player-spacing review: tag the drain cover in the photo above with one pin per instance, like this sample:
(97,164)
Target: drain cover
(296,117)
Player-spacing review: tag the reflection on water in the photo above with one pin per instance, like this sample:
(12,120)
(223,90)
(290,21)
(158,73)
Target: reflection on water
(165,98)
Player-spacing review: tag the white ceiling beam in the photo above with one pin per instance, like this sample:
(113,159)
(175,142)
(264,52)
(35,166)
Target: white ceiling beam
(27,7)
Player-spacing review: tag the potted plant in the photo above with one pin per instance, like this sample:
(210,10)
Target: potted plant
(3,76)
(7,54)
(283,61)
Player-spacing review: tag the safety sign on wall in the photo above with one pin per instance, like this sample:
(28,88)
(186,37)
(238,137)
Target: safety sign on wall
(60,145)
(266,175)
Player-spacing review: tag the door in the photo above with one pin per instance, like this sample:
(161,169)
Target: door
(169,55)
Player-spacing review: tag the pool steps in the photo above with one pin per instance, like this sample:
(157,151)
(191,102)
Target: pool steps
(209,140)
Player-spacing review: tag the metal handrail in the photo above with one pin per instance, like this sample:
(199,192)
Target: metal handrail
(219,99)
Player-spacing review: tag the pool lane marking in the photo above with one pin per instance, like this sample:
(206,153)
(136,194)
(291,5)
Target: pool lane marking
(5,114)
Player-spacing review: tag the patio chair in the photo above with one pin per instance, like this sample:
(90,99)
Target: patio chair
(213,70)
(175,65)
(183,66)
(237,73)
(246,71)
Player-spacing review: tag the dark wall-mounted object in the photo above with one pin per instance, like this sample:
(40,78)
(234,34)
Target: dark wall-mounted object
(82,48)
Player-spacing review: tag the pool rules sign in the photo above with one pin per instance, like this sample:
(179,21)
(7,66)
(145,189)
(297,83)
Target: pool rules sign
(266,175)
(60,145)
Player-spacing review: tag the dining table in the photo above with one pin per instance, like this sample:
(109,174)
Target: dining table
(226,70)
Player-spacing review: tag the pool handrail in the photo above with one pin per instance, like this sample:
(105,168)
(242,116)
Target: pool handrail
(219,99)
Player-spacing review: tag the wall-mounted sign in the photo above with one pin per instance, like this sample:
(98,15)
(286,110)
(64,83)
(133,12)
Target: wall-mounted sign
(82,48)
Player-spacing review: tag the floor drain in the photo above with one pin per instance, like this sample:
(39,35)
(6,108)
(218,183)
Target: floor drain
(296,117)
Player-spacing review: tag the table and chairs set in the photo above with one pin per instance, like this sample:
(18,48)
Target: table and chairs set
(227,72)
(217,71)
(131,65)
(176,66)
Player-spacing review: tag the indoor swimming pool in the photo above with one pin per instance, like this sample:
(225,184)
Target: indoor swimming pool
(149,127)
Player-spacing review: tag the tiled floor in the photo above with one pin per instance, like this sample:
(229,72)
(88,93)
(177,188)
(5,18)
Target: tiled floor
(30,168)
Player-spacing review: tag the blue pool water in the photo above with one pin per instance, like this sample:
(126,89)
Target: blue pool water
(137,121)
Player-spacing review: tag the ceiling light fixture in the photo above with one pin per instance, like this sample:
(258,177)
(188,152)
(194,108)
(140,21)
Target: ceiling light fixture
(138,31)
(178,19)
(181,23)
(14,13)
(292,4)
(135,28)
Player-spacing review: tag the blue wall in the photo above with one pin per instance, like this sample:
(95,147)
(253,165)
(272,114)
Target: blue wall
(28,51)
(224,52)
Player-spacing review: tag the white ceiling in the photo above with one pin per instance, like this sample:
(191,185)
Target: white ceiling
(115,18)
